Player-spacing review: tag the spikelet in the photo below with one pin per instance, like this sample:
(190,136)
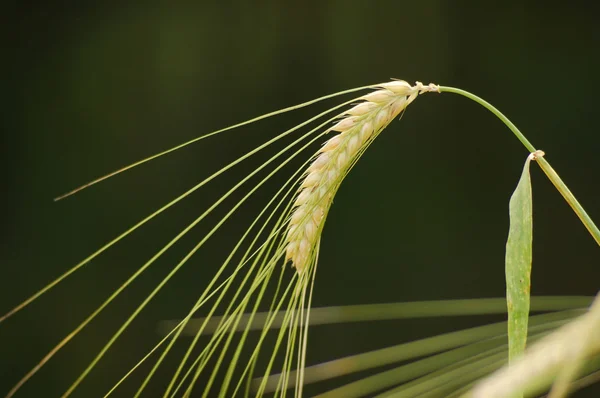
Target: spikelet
(360,125)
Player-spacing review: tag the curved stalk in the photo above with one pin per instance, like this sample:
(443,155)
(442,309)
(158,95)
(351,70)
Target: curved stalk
(544,165)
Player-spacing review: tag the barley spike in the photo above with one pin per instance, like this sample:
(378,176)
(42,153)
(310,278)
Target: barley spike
(357,127)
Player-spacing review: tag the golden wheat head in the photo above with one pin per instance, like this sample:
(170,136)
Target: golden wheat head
(357,128)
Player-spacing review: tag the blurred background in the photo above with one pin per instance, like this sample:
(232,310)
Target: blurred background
(423,216)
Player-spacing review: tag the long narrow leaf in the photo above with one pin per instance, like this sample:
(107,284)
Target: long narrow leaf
(518,263)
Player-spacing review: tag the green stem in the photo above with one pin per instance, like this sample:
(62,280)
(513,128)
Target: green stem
(570,198)
(545,166)
(492,109)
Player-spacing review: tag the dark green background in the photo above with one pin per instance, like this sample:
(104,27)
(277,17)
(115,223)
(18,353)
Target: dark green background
(88,89)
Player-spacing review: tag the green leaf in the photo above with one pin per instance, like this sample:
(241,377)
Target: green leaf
(518,263)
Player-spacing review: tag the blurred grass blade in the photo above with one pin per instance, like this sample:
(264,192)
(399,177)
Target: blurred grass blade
(409,351)
(449,379)
(448,369)
(545,360)
(518,263)
(585,381)
(385,311)
(415,370)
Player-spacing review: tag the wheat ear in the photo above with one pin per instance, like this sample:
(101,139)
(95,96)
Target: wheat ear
(357,128)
